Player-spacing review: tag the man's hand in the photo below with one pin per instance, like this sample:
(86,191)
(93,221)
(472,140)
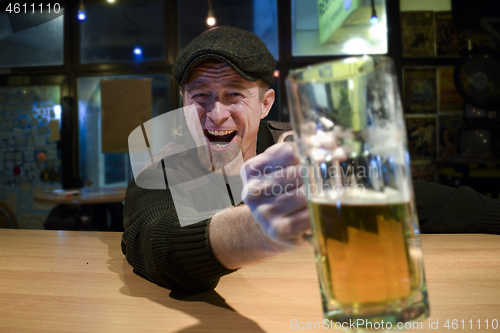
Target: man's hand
(275,195)
(270,222)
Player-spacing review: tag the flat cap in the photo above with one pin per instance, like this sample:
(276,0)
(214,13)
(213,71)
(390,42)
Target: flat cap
(244,51)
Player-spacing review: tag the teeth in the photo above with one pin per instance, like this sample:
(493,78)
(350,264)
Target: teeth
(219,133)
(220,145)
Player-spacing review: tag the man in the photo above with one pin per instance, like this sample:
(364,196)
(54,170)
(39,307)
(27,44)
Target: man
(225,75)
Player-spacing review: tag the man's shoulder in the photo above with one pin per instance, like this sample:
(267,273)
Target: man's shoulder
(279,125)
(269,132)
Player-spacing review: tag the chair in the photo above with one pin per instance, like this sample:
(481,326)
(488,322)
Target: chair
(7,217)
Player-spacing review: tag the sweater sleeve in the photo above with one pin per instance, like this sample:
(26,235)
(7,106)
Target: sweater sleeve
(443,209)
(159,249)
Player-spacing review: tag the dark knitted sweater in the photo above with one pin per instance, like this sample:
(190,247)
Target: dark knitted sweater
(176,257)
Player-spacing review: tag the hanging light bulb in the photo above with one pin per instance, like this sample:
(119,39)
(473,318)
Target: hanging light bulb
(138,51)
(111,1)
(211,21)
(210,18)
(81,16)
(374,18)
(81,12)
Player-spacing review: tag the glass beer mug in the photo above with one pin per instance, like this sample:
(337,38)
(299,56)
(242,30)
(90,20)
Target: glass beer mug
(350,132)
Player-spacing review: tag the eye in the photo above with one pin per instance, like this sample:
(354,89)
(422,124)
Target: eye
(235,94)
(200,97)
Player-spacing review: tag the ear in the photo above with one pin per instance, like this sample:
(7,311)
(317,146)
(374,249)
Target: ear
(182,97)
(267,103)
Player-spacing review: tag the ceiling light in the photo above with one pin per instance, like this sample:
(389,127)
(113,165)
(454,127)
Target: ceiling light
(210,18)
(81,12)
(374,18)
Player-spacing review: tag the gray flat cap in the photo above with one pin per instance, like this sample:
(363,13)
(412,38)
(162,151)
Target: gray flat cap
(244,51)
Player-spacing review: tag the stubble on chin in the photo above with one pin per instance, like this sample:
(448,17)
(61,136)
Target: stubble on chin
(214,161)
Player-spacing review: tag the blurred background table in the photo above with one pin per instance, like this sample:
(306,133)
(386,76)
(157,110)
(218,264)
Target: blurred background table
(103,200)
(71,281)
(91,195)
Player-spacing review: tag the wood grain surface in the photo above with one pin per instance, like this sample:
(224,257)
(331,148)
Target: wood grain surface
(61,281)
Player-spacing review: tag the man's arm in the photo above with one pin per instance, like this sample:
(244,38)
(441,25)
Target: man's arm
(443,209)
(274,218)
(237,240)
(162,251)
(273,221)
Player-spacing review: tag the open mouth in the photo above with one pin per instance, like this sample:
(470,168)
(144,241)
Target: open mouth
(220,139)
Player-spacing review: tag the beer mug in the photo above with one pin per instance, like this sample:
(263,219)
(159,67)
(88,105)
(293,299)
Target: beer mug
(350,132)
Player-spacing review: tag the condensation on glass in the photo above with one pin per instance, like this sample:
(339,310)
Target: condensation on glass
(42,45)
(131,31)
(99,169)
(338,27)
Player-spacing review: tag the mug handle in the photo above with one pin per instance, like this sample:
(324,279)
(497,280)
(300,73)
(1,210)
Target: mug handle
(288,137)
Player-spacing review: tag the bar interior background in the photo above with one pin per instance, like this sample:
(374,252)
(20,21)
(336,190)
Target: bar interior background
(50,80)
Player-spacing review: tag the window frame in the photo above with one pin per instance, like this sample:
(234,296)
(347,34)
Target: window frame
(72,69)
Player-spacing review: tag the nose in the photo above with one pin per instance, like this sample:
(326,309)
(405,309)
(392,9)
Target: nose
(219,113)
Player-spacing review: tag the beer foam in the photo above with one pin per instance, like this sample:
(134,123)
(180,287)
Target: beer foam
(361,196)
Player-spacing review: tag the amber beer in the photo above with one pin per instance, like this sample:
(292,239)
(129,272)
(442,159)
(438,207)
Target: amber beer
(363,255)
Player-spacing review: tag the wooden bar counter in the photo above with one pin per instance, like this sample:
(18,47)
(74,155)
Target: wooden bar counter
(60,281)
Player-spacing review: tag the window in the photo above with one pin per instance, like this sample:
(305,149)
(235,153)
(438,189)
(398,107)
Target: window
(338,27)
(30,157)
(257,16)
(42,45)
(98,169)
(123,32)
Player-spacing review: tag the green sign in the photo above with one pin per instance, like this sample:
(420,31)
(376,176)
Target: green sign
(332,13)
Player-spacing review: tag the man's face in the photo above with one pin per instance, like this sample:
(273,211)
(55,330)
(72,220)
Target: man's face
(228,107)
